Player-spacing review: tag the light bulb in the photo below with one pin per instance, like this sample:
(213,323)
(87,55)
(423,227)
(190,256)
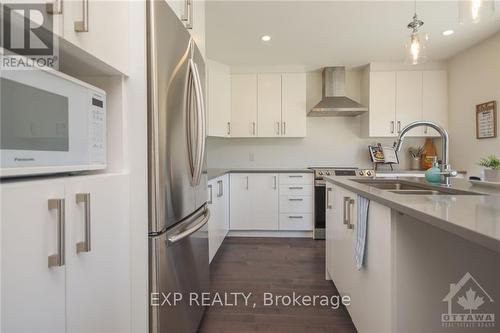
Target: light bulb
(474,8)
(415,47)
(474,11)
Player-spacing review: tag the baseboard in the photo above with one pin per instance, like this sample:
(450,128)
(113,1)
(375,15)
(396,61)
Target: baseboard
(266,233)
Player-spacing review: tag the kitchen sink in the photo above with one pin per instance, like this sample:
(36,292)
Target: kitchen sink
(418,192)
(411,188)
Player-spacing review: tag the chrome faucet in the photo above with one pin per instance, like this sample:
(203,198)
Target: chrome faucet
(445,167)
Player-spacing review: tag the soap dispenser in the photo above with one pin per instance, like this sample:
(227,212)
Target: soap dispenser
(433,175)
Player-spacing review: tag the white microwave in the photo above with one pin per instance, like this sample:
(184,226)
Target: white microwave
(50,123)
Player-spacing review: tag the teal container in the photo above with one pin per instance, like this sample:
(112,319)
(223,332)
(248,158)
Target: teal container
(433,175)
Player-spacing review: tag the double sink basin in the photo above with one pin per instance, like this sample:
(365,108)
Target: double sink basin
(411,188)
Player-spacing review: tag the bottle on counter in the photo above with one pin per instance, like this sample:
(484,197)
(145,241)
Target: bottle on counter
(433,174)
(430,154)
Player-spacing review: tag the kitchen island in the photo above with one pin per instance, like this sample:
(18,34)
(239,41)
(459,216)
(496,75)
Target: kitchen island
(431,259)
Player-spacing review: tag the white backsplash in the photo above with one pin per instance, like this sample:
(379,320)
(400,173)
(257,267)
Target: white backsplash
(330,141)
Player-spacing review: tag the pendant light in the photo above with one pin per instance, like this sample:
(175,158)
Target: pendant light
(474,11)
(415,50)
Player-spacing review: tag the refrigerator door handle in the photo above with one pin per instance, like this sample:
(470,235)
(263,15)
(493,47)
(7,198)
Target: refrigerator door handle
(193,226)
(201,123)
(189,124)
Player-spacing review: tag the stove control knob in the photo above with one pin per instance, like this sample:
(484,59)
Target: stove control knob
(360,172)
(369,173)
(320,173)
(328,173)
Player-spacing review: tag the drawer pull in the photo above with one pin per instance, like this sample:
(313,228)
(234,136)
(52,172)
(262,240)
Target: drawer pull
(295,217)
(295,199)
(295,187)
(295,176)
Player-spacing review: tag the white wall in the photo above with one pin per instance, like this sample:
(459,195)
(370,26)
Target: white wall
(330,141)
(473,78)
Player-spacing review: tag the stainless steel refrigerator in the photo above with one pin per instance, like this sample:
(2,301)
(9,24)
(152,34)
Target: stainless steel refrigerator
(178,213)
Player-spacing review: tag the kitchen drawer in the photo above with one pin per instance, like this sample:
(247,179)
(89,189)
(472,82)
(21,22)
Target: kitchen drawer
(296,204)
(296,222)
(296,189)
(296,178)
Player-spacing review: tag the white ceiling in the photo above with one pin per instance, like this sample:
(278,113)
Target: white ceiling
(320,33)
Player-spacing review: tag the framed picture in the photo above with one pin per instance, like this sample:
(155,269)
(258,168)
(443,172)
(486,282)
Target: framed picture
(486,120)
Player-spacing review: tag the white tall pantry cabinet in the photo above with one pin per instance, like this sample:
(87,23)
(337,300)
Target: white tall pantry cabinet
(89,291)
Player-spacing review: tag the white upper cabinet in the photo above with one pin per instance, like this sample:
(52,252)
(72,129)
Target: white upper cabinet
(219,99)
(381,117)
(408,100)
(244,105)
(269,104)
(435,99)
(293,105)
(397,98)
(192,14)
(100,28)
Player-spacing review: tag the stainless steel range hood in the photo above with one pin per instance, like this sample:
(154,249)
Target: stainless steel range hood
(334,101)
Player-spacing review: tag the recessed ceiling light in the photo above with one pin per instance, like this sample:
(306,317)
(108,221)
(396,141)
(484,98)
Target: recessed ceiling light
(448,32)
(266,38)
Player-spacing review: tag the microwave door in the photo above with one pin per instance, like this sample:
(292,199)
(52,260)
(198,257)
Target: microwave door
(171,192)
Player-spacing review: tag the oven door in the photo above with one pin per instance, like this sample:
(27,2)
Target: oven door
(44,123)
(319,209)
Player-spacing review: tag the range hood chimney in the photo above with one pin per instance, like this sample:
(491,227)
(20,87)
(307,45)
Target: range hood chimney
(334,101)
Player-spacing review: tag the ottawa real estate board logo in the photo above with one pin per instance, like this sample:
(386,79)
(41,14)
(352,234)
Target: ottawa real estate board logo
(469,305)
(26,36)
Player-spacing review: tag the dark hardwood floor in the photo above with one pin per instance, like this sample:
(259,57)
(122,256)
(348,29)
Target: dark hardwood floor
(279,266)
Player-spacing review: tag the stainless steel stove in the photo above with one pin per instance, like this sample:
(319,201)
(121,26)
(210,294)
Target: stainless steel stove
(320,192)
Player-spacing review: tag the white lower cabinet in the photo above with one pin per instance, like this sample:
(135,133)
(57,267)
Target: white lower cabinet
(369,287)
(218,204)
(82,287)
(254,201)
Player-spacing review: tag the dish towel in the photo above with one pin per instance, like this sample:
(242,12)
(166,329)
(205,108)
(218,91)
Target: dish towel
(362,219)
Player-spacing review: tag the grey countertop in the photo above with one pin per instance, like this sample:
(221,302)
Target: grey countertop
(473,217)
(214,173)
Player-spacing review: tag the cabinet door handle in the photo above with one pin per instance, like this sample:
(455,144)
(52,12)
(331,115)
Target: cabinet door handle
(392,126)
(219,188)
(189,14)
(295,187)
(247,182)
(284,128)
(277,128)
(83,25)
(425,129)
(328,193)
(55,7)
(344,211)
(349,219)
(85,245)
(274,182)
(253,128)
(184,15)
(295,217)
(210,194)
(295,199)
(399,126)
(59,258)
(228,128)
